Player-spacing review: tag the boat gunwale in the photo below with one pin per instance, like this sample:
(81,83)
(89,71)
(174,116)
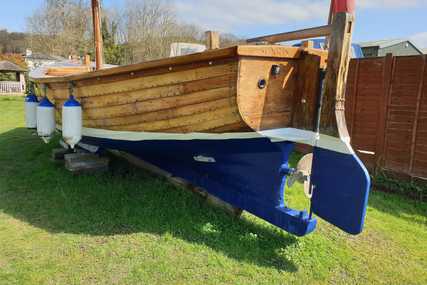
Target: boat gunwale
(260,51)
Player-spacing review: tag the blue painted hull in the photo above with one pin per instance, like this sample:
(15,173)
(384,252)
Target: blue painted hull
(250,174)
(246,173)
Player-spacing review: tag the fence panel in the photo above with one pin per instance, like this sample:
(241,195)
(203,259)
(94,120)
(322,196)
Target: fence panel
(366,92)
(10,87)
(419,163)
(387,113)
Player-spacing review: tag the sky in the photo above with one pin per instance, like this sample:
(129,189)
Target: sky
(376,19)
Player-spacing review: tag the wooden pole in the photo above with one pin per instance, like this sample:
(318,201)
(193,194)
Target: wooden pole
(87,60)
(331,14)
(295,35)
(96,16)
(212,40)
(332,121)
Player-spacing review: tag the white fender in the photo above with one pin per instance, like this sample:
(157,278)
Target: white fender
(31,104)
(45,119)
(72,122)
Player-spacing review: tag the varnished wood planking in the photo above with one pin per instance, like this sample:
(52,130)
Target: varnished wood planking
(167,114)
(62,71)
(190,97)
(270,121)
(219,119)
(306,94)
(159,92)
(233,127)
(153,105)
(226,115)
(255,104)
(161,100)
(148,81)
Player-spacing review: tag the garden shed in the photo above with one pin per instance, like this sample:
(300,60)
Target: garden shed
(12,78)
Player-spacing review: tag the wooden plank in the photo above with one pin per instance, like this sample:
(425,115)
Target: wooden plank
(212,40)
(256,103)
(60,88)
(155,81)
(58,154)
(321,31)
(79,163)
(201,125)
(211,119)
(61,71)
(270,121)
(158,104)
(278,52)
(167,114)
(87,60)
(131,97)
(154,93)
(306,93)
(308,44)
(387,77)
(417,113)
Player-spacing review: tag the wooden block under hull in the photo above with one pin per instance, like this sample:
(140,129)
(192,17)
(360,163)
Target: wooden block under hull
(58,154)
(80,163)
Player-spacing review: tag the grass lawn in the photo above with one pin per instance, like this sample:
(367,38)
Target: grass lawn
(128,227)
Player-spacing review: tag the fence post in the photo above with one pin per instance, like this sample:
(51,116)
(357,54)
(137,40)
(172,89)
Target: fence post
(417,114)
(388,67)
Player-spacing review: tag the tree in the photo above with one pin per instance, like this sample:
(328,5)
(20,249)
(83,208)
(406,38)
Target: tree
(114,52)
(144,30)
(60,27)
(151,26)
(11,42)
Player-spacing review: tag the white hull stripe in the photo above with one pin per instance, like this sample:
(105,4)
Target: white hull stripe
(276,135)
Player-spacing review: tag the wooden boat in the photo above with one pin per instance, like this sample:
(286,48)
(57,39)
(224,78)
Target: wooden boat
(227,120)
(222,90)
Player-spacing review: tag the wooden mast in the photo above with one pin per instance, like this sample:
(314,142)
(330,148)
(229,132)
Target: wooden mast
(96,16)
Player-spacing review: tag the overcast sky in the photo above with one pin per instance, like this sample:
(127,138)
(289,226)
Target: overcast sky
(376,19)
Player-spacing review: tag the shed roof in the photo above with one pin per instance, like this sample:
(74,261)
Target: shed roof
(41,56)
(387,43)
(382,43)
(10,67)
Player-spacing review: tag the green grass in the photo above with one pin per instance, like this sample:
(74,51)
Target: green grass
(127,227)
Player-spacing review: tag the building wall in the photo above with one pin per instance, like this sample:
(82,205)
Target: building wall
(35,63)
(401,49)
(370,51)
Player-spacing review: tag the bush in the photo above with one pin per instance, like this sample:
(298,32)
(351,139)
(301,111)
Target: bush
(408,187)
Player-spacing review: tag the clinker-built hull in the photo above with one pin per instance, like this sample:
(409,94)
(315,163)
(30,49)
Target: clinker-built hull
(225,120)
(226,90)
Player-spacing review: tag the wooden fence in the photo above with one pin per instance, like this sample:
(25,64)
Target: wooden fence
(7,87)
(386,111)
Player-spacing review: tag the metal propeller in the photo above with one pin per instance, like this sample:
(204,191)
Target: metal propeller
(302,174)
